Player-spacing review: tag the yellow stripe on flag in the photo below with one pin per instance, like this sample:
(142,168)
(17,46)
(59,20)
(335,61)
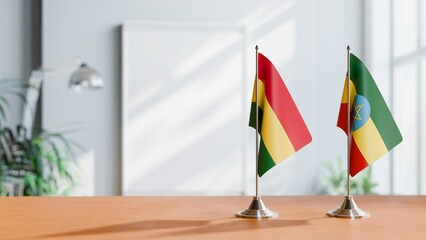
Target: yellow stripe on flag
(261,90)
(273,134)
(345,92)
(370,142)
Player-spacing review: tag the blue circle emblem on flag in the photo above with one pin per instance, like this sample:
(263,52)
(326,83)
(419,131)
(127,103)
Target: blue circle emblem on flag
(361,112)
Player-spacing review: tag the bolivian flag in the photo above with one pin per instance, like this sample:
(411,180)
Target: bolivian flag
(281,126)
(373,129)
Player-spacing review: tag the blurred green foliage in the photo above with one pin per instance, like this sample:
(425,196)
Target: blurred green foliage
(334,176)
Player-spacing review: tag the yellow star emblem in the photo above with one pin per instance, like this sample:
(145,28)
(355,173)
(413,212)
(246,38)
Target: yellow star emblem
(357,115)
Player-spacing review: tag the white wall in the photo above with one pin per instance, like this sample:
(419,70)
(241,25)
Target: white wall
(305,39)
(15,47)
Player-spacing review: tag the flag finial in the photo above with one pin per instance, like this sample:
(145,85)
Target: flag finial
(348,48)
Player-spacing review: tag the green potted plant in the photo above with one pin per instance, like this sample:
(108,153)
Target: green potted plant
(38,165)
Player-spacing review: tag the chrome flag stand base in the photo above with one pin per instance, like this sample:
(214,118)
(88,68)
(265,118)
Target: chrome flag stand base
(257,210)
(349,209)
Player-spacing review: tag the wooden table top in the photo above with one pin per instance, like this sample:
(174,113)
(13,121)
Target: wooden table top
(300,217)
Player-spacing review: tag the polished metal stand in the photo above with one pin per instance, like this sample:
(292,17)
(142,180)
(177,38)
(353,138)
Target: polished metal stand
(349,209)
(257,209)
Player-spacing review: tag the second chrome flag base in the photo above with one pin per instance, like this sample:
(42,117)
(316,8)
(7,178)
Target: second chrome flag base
(349,209)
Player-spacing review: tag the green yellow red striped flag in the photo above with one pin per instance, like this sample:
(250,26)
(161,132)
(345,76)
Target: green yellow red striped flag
(373,129)
(281,127)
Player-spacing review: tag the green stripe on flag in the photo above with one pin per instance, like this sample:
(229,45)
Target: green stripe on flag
(252,120)
(265,160)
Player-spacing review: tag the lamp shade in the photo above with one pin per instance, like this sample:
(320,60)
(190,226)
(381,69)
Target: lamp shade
(86,77)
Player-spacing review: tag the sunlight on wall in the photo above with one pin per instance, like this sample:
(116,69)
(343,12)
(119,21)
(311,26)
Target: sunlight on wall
(405,114)
(405,37)
(266,13)
(272,43)
(207,50)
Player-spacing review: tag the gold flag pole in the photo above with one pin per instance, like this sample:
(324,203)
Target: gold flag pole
(348,209)
(257,208)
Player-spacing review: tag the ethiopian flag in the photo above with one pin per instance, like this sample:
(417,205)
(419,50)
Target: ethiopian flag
(373,129)
(281,126)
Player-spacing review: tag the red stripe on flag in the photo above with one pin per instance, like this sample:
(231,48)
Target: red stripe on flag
(282,103)
(358,161)
(342,120)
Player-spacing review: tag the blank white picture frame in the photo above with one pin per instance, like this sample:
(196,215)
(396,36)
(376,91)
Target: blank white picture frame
(184,108)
